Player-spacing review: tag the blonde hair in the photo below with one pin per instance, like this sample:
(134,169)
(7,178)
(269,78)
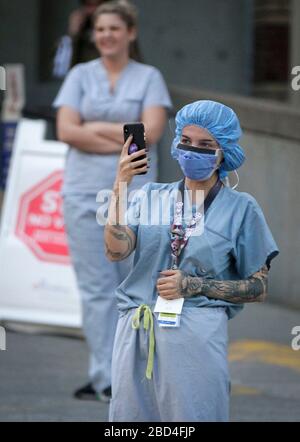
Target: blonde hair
(125,10)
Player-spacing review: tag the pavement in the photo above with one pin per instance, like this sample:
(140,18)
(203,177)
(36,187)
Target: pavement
(38,372)
(265,370)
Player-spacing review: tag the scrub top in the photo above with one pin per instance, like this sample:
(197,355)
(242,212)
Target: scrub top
(236,243)
(86,89)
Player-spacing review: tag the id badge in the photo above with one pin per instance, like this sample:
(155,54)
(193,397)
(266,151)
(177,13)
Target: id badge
(168,320)
(169,312)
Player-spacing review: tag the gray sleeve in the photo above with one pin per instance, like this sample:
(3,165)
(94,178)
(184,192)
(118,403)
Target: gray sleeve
(71,92)
(157,93)
(255,245)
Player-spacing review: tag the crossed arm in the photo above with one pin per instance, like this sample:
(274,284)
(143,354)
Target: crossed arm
(104,137)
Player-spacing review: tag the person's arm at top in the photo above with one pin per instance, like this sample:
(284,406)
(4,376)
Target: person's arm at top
(70,130)
(178,284)
(154,119)
(120,240)
(76,21)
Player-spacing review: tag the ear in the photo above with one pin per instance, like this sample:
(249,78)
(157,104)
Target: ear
(221,157)
(132,35)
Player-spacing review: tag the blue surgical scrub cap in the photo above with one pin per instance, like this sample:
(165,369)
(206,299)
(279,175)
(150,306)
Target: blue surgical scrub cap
(222,123)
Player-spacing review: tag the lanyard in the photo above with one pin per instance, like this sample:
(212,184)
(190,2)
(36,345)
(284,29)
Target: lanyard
(179,235)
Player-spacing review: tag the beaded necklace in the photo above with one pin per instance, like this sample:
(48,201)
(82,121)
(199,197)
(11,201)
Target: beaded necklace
(180,235)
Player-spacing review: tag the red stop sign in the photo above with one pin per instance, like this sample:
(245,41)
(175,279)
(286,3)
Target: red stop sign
(40,223)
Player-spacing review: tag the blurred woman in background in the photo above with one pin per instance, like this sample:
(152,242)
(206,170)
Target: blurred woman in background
(95,101)
(81,30)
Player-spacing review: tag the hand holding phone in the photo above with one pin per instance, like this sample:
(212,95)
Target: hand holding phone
(130,165)
(137,130)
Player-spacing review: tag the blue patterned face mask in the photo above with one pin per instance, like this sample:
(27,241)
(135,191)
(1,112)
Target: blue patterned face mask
(197,166)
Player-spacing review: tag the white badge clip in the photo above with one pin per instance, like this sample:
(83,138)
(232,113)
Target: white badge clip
(165,306)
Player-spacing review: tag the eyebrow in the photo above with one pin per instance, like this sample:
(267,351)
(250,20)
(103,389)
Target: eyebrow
(185,136)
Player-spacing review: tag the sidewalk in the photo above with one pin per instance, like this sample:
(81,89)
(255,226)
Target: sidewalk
(39,373)
(265,371)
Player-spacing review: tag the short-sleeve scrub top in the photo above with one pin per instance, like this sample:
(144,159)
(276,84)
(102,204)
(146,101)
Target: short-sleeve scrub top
(236,243)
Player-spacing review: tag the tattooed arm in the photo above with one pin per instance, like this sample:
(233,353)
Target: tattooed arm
(120,240)
(178,284)
(253,289)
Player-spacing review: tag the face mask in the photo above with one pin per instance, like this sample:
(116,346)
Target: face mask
(197,166)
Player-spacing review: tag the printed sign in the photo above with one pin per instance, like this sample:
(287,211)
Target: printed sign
(37,280)
(40,223)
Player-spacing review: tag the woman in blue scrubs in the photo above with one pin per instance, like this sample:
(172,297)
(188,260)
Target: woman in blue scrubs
(95,101)
(180,373)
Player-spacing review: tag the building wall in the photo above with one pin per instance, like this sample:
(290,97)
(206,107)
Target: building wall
(23,32)
(199,43)
(17,43)
(295,49)
(270,174)
(272,23)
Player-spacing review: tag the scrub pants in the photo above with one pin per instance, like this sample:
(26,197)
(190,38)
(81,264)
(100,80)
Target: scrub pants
(190,381)
(97,279)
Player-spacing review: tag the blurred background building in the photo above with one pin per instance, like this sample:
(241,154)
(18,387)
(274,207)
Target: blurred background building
(238,46)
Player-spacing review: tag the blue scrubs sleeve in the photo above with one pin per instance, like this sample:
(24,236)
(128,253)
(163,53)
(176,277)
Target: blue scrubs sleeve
(135,207)
(71,92)
(157,93)
(255,245)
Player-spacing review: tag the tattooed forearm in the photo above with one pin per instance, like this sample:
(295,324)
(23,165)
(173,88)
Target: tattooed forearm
(119,243)
(119,239)
(190,286)
(253,289)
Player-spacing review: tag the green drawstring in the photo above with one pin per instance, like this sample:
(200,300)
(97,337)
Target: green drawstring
(148,320)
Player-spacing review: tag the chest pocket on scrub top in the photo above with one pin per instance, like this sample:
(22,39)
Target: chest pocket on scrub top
(198,257)
(130,105)
(100,108)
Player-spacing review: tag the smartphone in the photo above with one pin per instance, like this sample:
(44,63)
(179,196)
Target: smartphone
(137,130)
